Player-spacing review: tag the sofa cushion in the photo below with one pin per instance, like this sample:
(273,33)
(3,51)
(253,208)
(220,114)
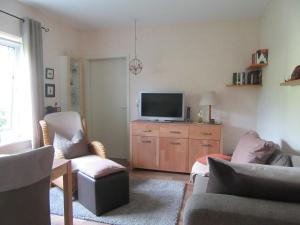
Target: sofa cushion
(279,158)
(254,180)
(252,149)
(73,148)
(95,166)
(217,209)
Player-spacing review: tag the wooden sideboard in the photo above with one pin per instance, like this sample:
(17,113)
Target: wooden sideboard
(172,146)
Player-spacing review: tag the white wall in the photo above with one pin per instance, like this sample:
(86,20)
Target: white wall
(279,108)
(193,58)
(60,40)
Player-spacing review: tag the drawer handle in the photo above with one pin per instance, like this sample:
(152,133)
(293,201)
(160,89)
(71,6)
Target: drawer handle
(206,133)
(175,143)
(146,142)
(175,132)
(147,131)
(206,145)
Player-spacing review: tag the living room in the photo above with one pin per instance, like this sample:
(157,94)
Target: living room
(115,71)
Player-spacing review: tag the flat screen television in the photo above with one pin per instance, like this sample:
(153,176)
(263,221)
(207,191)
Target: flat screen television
(162,106)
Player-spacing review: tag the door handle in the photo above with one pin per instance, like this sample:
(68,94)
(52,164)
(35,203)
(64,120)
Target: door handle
(175,132)
(175,143)
(147,131)
(206,145)
(206,133)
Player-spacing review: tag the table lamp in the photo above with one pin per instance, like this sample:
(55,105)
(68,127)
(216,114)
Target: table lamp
(208,99)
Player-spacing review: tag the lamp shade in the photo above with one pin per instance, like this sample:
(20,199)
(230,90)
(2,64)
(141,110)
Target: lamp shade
(208,98)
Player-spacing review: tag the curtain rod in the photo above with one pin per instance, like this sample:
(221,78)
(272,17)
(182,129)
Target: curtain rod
(19,18)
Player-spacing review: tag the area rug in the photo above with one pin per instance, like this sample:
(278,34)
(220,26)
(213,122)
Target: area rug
(152,202)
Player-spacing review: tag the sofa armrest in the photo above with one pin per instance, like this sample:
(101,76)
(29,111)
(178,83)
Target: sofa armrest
(213,209)
(97,148)
(295,160)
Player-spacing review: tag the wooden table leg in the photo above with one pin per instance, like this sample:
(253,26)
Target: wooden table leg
(68,208)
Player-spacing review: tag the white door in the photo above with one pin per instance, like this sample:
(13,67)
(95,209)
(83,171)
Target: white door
(107,105)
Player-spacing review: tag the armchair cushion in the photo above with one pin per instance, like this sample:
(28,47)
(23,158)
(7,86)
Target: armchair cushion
(73,148)
(95,166)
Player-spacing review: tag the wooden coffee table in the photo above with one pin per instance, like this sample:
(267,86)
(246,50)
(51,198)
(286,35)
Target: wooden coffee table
(62,167)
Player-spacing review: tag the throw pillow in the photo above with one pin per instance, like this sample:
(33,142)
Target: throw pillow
(252,149)
(73,148)
(254,181)
(203,159)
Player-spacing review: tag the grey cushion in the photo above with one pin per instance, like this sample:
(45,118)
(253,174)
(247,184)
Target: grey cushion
(73,148)
(254,180)
(279,158)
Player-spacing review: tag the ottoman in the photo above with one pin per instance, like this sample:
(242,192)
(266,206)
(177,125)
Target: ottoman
(100,194)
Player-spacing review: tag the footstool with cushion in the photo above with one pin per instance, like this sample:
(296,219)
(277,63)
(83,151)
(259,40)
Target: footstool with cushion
(102,187)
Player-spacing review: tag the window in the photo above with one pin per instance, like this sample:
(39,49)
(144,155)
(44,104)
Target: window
(14,94)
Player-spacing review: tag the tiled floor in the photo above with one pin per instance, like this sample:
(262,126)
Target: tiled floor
(58,220)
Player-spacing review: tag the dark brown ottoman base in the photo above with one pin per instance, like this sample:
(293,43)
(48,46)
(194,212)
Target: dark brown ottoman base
(105,193)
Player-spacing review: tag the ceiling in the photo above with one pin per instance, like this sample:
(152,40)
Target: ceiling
(89,14)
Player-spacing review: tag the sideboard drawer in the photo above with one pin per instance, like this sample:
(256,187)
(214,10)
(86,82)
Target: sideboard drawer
(174,131)
(145,129)
(206,132)
(199,148)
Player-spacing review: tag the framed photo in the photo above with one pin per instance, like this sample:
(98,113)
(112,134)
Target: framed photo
(50,90)
(49,73)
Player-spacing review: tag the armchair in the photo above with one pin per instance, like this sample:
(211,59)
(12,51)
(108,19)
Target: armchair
(24,187)
(66,124)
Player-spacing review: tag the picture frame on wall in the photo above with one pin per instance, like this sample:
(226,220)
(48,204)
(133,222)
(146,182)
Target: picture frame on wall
(49,73)
(50,90)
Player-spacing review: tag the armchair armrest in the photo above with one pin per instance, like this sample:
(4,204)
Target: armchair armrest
(97,148)
(45,132)
(46,139)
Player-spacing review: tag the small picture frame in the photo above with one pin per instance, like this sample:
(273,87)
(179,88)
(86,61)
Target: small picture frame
(49,73)
(50,90)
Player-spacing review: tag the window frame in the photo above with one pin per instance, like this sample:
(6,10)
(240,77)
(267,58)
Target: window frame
(16,43)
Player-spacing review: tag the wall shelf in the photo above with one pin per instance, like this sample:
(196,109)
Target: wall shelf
(256,66)
(291,83)
(243,85)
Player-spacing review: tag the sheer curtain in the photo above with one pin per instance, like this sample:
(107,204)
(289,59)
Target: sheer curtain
(33,52)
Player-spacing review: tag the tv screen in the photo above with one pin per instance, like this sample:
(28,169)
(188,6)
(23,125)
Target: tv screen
(162,106)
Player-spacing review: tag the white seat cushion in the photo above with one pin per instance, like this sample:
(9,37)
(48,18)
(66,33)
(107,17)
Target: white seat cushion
(95,166)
